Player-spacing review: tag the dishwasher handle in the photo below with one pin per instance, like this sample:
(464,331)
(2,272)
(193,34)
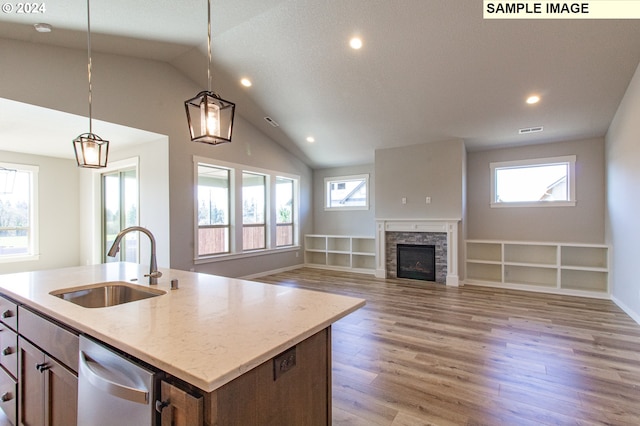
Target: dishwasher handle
(116,389)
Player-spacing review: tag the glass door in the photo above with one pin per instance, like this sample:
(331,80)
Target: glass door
(119,211)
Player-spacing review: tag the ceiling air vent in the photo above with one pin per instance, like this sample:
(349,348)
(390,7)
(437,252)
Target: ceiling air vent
(271,121)
(528,130)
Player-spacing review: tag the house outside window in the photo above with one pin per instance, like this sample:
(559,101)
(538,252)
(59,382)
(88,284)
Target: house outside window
(542,182)
(253,211)
(18,212)
(213,210)
(284,211)
(347,192)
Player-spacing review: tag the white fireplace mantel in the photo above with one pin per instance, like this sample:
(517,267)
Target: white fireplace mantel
(448,226)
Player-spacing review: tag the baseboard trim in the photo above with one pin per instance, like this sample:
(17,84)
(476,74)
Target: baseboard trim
(633,314)
(271,272)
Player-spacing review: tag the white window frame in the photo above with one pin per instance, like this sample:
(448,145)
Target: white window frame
(235,214)
(337,179)
(34,236)
(571,181)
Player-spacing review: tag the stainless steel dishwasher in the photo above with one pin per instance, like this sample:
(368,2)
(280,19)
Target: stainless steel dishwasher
(113,390)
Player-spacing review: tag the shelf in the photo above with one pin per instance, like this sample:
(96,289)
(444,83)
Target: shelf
(550,267)
(484,252)
(360,261)
(357,254)
(531,254)
(363,245)
(531,275)
(484,272)
(584,280)
(339,244)
(584,257)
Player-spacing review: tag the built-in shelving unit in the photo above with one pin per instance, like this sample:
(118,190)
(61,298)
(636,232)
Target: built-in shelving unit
(340,252)
(580,269)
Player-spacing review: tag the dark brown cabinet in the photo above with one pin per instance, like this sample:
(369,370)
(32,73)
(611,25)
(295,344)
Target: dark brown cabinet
(48,391)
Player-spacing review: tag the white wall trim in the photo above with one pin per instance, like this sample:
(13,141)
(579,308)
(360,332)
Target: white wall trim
(634,315)
(271,272)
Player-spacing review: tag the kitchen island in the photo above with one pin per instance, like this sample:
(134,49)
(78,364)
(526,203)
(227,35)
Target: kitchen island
(210,335)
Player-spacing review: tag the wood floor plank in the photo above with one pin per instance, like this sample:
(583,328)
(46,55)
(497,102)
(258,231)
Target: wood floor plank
(421,353)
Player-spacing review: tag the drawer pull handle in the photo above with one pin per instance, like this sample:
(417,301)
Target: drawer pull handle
(42,367)
(7,314)
(6,397)
(7,351)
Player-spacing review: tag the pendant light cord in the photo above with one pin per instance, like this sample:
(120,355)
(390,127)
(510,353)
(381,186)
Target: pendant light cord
(208,43)
(89,60)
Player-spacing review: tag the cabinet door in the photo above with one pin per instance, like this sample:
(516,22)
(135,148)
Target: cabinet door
(61,395)
(183,409)
(30,384)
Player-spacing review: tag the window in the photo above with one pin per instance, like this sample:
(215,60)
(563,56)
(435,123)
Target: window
(18,212)
(533,183)
(120,210)
(253,211)
(213,210)
(347,193)
(284,211)
(263,204)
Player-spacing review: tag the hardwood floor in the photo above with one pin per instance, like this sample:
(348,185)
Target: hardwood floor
(421,353)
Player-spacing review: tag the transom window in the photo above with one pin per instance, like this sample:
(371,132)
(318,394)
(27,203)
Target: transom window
(18,212)
(347,192)
(533,183)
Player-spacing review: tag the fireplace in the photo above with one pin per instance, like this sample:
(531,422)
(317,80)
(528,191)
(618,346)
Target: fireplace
(417,262)
(441,233)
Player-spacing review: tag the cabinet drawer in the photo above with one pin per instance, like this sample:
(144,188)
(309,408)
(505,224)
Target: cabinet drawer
(55,340)
(8,396)
(9,313)
(9,350)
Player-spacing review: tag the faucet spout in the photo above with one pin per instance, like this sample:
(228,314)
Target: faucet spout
(154,274)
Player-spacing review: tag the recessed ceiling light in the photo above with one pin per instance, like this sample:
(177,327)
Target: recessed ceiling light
(246,82)
(355,43)
(533,99)
(43,28)
(311,139)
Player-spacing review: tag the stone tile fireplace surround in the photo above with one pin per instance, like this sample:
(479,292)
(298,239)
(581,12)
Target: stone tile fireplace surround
(441,233)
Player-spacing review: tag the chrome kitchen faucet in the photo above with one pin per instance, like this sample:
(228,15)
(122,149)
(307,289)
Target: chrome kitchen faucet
(153,274)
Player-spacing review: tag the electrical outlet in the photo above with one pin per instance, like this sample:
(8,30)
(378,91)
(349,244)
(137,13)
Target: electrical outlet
(404,200)
(428,200)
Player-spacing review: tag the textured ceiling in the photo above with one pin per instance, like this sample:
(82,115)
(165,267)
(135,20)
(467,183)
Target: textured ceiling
(430,70)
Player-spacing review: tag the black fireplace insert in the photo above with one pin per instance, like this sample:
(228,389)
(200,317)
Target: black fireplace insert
(417,262)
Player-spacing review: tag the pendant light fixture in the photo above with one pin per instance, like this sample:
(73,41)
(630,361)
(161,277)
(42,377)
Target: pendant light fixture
(209,116)
(91,150)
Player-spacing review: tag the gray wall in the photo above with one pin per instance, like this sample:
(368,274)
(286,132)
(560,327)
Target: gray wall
(415,172)
(352,222)
(583,223)
(58,201)
(623,199)
(150,95)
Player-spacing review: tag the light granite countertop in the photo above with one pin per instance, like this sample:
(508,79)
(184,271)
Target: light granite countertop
(208,332)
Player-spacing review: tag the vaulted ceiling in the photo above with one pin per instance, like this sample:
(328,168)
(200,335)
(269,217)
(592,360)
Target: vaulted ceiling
(429,70)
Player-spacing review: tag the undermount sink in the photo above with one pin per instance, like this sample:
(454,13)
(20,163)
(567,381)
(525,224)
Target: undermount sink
(105,294)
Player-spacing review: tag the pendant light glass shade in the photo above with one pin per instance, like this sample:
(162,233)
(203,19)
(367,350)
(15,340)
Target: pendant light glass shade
(91,151)
(210,117)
